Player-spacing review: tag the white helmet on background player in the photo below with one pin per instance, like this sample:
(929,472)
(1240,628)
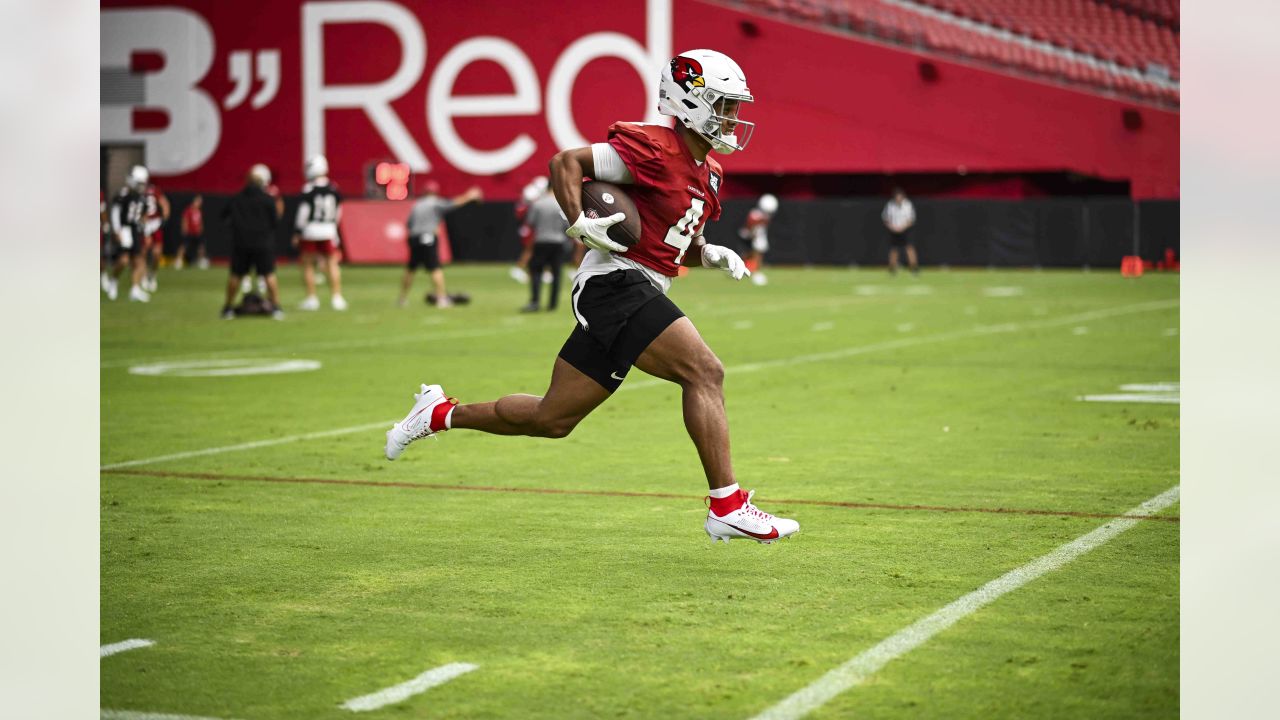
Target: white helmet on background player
(138,177)
(535,189)
(260,174)
(705,90)
(317,167)
(768,204)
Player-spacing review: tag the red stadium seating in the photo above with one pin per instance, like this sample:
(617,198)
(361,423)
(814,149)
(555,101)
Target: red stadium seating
(1129,47)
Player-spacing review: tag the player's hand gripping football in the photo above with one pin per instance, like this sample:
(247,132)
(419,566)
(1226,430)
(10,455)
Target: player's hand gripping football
(594,232)
(718,256)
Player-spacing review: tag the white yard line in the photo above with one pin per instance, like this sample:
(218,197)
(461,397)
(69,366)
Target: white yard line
(123,645)
(1148,398)
(406,690)
(861,667)
(136,715)
(744,368)
(249,351)
(249,445)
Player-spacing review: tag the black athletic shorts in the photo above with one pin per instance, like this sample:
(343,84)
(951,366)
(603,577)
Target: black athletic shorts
(134,250)
(899,239)
(618,315)
(260,259)
(424,256)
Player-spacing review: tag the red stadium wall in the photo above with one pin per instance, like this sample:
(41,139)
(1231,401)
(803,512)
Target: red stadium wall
(466,93)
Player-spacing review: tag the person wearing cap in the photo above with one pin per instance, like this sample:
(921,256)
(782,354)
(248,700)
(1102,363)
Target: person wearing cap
(427,214)
(253,216)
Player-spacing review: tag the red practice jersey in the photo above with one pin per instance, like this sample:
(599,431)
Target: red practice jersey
(152,196)
(673,193)
(192,221)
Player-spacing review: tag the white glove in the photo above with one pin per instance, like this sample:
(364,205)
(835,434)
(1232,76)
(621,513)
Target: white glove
(594,233)
(718,256)
(126,237)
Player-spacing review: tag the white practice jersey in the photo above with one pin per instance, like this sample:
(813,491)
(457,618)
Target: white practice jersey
(319,212)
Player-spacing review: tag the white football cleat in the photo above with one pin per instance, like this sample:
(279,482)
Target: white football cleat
(113,289)
(417,424)
(749,522)
(137,294)
(311,302)
(339,302)
(149,283)
(106,282)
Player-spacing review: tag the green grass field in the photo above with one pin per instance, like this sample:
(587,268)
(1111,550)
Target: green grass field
(954,390)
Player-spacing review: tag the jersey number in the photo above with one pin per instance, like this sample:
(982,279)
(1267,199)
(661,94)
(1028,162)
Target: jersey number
(681,234)
(326,209)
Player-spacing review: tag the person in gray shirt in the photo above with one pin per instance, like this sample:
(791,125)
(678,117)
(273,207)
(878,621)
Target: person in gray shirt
(548,223)
(427,214)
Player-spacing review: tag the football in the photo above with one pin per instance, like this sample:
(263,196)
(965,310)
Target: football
(602,199)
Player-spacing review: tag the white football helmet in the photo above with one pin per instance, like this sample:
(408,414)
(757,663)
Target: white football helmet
(317,167)
(768,204)
(705,90)
(261,174)
(535,188)
(138,177)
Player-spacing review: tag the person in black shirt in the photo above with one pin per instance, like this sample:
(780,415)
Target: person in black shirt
(253,217)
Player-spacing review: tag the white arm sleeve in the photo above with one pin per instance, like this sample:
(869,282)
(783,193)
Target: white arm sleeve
(608,164)
(304,213)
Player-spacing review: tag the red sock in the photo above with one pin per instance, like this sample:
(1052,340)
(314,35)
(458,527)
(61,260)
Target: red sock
(440,415)
(725,505)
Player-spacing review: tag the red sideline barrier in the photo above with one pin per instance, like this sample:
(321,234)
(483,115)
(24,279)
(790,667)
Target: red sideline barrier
(373,231)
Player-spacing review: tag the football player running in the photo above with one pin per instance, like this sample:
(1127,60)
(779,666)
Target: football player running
(623,314)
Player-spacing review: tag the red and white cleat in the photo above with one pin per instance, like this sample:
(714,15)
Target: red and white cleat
(428,416)
(749,522)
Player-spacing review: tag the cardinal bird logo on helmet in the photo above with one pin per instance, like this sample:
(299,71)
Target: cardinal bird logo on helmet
(687,72)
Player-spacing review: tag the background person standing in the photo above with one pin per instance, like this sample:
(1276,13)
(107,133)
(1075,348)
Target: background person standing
(755,234)
(316,233)
(427,214)
(193,250)
(253,215)
(898,216)
(548,223)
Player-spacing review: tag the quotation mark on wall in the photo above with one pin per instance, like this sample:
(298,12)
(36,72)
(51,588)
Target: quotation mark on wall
(240,70)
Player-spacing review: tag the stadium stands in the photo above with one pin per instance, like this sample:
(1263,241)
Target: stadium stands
(1118,47)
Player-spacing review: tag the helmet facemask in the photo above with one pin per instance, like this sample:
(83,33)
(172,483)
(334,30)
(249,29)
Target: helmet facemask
(725,129)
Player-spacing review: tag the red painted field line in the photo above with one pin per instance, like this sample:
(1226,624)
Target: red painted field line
(618,493)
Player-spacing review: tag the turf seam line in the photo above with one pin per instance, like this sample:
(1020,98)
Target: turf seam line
(618,493)
(124,646)
(862,666)
(406,690)
(735,369)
